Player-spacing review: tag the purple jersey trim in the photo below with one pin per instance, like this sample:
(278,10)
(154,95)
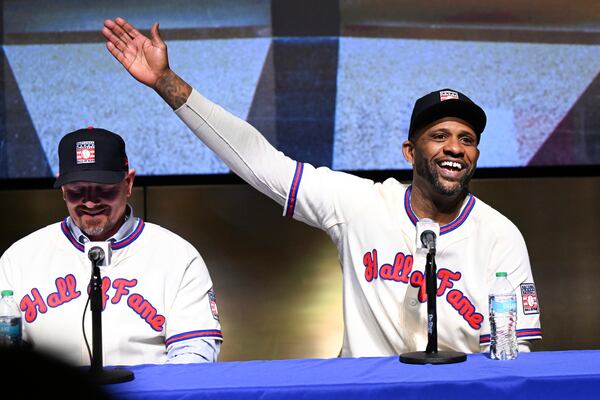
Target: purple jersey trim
(115,245)
(448,227)
(69,236)
(210,333)
(291,203)
(521,334)
(129,239)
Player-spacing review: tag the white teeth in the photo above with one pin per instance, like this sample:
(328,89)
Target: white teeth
(451,164)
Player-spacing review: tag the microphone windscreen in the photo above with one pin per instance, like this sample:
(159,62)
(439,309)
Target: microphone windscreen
(425,224)
(106,248)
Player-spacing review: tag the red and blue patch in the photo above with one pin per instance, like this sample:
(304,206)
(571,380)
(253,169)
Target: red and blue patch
(530,299)
(85,152)
(212,299)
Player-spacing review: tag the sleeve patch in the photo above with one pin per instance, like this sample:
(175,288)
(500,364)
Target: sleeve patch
(212,299)
(530,299)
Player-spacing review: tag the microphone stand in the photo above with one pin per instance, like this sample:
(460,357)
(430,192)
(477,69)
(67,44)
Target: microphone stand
(98,373)
(431,355)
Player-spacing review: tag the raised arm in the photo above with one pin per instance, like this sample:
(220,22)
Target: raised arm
(234,140)
(146,59)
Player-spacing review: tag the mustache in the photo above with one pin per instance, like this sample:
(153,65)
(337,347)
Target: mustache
(95,210)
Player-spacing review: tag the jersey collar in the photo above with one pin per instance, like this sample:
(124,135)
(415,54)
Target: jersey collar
(467,207)
(127,233)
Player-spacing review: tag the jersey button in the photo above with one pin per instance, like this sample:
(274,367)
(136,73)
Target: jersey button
(413,302)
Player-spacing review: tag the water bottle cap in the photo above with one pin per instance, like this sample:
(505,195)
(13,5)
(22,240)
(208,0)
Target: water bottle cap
(501,274)
(5,293)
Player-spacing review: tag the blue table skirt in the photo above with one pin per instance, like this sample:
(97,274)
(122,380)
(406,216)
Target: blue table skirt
(539,375)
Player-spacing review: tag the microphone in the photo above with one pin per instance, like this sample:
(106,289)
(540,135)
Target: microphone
(428,240)
(427,233)
(96,254)
(99,252)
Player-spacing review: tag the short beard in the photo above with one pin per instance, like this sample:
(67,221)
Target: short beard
(428,170)
(96,229)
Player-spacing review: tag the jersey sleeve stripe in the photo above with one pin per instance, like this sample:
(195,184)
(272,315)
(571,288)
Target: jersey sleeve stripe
(211,333)
(534,332)
(291,203)
(521,334)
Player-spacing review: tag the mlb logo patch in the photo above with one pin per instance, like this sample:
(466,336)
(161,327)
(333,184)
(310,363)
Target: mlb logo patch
(85,152)
(212,299)
(447,95)
(530,299)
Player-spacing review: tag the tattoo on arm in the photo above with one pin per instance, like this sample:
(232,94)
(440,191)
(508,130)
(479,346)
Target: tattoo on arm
(174,90)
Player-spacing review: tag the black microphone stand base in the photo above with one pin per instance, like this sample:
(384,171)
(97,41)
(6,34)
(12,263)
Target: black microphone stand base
(110,375)
(439,357)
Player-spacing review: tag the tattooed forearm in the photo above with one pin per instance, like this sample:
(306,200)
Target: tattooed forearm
(174,90)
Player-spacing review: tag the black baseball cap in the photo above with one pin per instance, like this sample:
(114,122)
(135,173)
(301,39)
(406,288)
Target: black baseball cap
(91,155)
(446,103)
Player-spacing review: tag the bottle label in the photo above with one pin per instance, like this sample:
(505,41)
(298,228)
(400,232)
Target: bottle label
(504,305)
(10,331)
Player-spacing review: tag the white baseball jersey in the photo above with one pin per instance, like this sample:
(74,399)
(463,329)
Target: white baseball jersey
(373,227)
(157,292)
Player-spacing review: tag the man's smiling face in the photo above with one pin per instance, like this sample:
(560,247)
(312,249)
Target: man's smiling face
(444,156)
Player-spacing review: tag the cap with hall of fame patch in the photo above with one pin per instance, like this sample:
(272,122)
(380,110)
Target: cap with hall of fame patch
(91,155)
(446,103)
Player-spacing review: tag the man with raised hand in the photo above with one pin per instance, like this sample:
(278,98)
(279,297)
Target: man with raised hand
(373,225)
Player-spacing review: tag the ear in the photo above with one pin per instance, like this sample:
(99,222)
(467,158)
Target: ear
(129,178)
(408,151)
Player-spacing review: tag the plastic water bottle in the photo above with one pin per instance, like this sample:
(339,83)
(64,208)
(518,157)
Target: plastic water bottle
(503,319)
(10,321)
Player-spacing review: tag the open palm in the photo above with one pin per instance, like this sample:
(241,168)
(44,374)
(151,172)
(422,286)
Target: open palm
(145,58)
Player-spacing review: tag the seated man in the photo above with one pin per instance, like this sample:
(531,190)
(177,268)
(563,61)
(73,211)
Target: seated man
(158,301)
